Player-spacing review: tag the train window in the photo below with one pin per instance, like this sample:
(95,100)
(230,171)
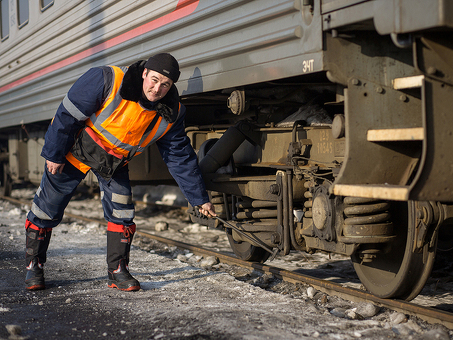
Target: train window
(4,16)
(45,4)
(22,12)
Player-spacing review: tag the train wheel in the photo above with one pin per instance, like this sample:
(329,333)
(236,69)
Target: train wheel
(6,184)
(398,272)
(248,252)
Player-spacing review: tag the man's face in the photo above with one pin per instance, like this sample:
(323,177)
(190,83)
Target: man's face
(155,85)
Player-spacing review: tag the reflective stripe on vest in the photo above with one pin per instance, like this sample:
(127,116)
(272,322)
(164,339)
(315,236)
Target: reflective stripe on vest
(123,125)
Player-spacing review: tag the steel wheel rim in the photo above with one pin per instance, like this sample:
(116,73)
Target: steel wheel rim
(400,273)
(247,252)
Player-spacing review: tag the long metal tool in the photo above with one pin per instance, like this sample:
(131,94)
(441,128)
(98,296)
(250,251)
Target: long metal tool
(261,244)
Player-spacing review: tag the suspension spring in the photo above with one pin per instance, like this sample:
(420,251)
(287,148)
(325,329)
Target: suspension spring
(367,220)
(256,209)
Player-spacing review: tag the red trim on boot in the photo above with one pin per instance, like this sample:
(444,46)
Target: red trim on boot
(127,230)
(30,225)
(36,287)
(130,289)
(119,228)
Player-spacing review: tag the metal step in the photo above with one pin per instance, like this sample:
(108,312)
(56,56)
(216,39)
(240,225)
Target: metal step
(408,82)
(390,135)
(390,192)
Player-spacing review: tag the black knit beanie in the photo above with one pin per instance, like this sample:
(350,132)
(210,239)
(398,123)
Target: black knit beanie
(165,64)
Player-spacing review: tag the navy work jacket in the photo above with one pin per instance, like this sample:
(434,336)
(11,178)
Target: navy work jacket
(87,95)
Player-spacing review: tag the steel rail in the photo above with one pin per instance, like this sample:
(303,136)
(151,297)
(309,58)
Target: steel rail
(429,314)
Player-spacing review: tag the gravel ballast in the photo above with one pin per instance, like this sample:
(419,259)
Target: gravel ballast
(183,296)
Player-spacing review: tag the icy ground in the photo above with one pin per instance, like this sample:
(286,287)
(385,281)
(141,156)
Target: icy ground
(183,296)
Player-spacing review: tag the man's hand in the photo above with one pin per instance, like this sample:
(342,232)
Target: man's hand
(207,209)
(54,167)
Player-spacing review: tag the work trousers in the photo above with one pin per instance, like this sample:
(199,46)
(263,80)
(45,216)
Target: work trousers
(55,192)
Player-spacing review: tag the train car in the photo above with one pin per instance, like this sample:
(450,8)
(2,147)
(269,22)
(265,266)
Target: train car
(320,125)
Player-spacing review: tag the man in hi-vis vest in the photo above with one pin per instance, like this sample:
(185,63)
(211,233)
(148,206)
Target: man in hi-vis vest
(108,116)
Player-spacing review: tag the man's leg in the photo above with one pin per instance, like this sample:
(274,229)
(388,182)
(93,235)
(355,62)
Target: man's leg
(119,212)
(37,242)
(47,211)
(119,239)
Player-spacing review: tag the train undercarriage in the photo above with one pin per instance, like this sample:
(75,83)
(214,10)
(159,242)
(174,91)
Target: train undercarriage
(343,159)
(270,203)
(272,160)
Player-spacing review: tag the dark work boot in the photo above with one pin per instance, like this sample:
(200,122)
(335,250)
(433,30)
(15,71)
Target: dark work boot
(122,279)
(119,239)
(34,280)
(37,242)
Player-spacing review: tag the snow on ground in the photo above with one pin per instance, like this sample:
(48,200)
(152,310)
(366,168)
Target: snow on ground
(183,296)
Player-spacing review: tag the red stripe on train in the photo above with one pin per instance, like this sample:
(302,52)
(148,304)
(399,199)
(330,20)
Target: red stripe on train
(183,8)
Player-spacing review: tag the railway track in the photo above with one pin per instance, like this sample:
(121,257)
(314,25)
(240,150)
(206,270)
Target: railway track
(428,314)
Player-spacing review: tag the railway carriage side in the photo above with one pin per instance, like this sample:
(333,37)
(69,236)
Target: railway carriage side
(319,125)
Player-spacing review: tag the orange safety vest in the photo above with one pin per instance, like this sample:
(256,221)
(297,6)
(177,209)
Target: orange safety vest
(119,130)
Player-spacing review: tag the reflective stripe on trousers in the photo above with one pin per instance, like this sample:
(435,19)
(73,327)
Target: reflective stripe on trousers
(55,192)
(116,196)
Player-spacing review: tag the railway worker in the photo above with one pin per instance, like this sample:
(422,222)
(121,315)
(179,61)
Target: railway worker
(109,115)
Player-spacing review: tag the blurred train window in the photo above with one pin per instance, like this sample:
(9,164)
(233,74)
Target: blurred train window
(22,12)
(45,4)
(4,16)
